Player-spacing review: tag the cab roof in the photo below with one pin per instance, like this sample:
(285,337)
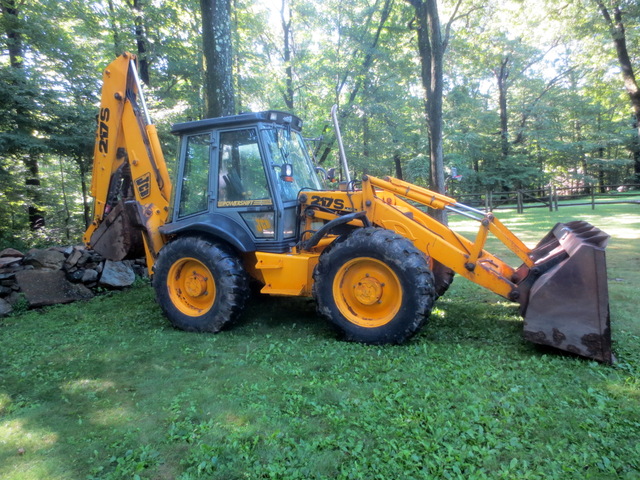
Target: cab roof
(270,116)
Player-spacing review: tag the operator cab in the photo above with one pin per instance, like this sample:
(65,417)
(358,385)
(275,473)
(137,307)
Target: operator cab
(238,178)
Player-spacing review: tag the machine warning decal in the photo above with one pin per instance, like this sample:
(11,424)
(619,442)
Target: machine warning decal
(245,203)
(329,202)
(143,185)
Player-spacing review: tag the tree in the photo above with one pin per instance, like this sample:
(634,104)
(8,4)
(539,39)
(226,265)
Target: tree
(432,45)
(26,145)
(618,34)
(137,7)
(287,33)
(218,55)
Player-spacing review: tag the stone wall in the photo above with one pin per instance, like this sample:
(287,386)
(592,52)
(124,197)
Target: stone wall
(59,275)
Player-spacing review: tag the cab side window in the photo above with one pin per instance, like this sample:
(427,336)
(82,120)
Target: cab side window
(195,176)
(241,175)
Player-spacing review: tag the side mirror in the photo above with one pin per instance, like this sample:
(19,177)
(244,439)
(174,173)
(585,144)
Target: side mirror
(329,175)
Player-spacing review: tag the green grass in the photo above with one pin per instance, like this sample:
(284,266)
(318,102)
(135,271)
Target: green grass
(106,389)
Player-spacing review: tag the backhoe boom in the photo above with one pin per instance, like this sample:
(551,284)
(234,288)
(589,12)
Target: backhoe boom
(130,183)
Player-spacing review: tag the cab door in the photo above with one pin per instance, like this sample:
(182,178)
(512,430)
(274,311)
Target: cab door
(243,189)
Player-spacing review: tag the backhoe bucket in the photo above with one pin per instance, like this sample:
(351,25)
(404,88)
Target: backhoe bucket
(568,303)
(117,237)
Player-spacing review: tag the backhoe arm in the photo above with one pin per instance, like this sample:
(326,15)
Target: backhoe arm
(130,182)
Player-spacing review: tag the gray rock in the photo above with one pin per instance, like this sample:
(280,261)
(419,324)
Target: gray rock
(49,287)
(89,276)
(7,261)
(47,259)
(14,298)
(75,276)
(5,308)
(117,274)
(72,259)
(11,252)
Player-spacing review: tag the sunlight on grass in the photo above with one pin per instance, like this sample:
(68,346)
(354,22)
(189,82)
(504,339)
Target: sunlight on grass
(108,417)
(16,439)
(87,385)
(628,391)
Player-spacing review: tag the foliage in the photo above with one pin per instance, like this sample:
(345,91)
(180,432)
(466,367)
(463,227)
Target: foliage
(107,390)
(567,118)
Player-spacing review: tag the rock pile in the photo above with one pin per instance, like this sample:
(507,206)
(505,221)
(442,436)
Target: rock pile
(59,275)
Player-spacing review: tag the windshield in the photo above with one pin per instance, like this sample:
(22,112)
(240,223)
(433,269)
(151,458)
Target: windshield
(290,148)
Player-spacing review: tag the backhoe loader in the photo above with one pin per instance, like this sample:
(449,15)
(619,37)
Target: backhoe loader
(248,202)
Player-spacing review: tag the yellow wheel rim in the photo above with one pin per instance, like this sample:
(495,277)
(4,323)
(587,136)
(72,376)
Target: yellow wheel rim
(367,292)
(192,288)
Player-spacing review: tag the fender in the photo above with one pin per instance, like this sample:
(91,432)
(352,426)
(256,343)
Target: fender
(216,225)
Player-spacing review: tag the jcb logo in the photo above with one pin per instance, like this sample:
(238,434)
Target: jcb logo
(103,131)
(143,185)
(263,224)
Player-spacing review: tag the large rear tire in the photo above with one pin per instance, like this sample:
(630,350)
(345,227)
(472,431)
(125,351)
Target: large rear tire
(375,287)
(201,285)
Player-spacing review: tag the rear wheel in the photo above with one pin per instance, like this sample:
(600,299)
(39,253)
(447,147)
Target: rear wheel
(200,285)
(375,287)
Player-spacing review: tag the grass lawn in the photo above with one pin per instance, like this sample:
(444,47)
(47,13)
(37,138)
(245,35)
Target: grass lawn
(107,389)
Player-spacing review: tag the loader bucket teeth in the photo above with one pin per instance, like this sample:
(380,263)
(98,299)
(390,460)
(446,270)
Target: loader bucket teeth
(568,304)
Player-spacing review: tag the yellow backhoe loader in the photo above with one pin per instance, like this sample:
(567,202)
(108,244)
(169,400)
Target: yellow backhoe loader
(248,202)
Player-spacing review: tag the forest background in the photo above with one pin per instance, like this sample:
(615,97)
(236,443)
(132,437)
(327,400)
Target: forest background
(534,91)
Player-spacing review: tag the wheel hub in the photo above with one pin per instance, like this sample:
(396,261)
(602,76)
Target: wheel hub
(195,285)
(368,291)
(191,286)
(359,287)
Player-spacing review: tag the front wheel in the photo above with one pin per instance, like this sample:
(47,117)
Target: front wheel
(200,285)
(375,287)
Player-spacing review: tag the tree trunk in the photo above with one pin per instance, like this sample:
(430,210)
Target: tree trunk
(12,29)
(288,40)
(237,85)
(431,48)
(398,165)
(36,216)
(618,34)
(366,134)
(24,117)
(141,41)
(115,29)
(218,55)
(502,75)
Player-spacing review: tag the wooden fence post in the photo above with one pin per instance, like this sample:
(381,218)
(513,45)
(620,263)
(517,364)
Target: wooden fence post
(519,202)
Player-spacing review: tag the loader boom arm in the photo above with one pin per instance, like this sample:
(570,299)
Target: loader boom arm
(390,203)
(130,182)
(560,285)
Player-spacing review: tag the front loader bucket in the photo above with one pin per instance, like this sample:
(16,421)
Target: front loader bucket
(568,303)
